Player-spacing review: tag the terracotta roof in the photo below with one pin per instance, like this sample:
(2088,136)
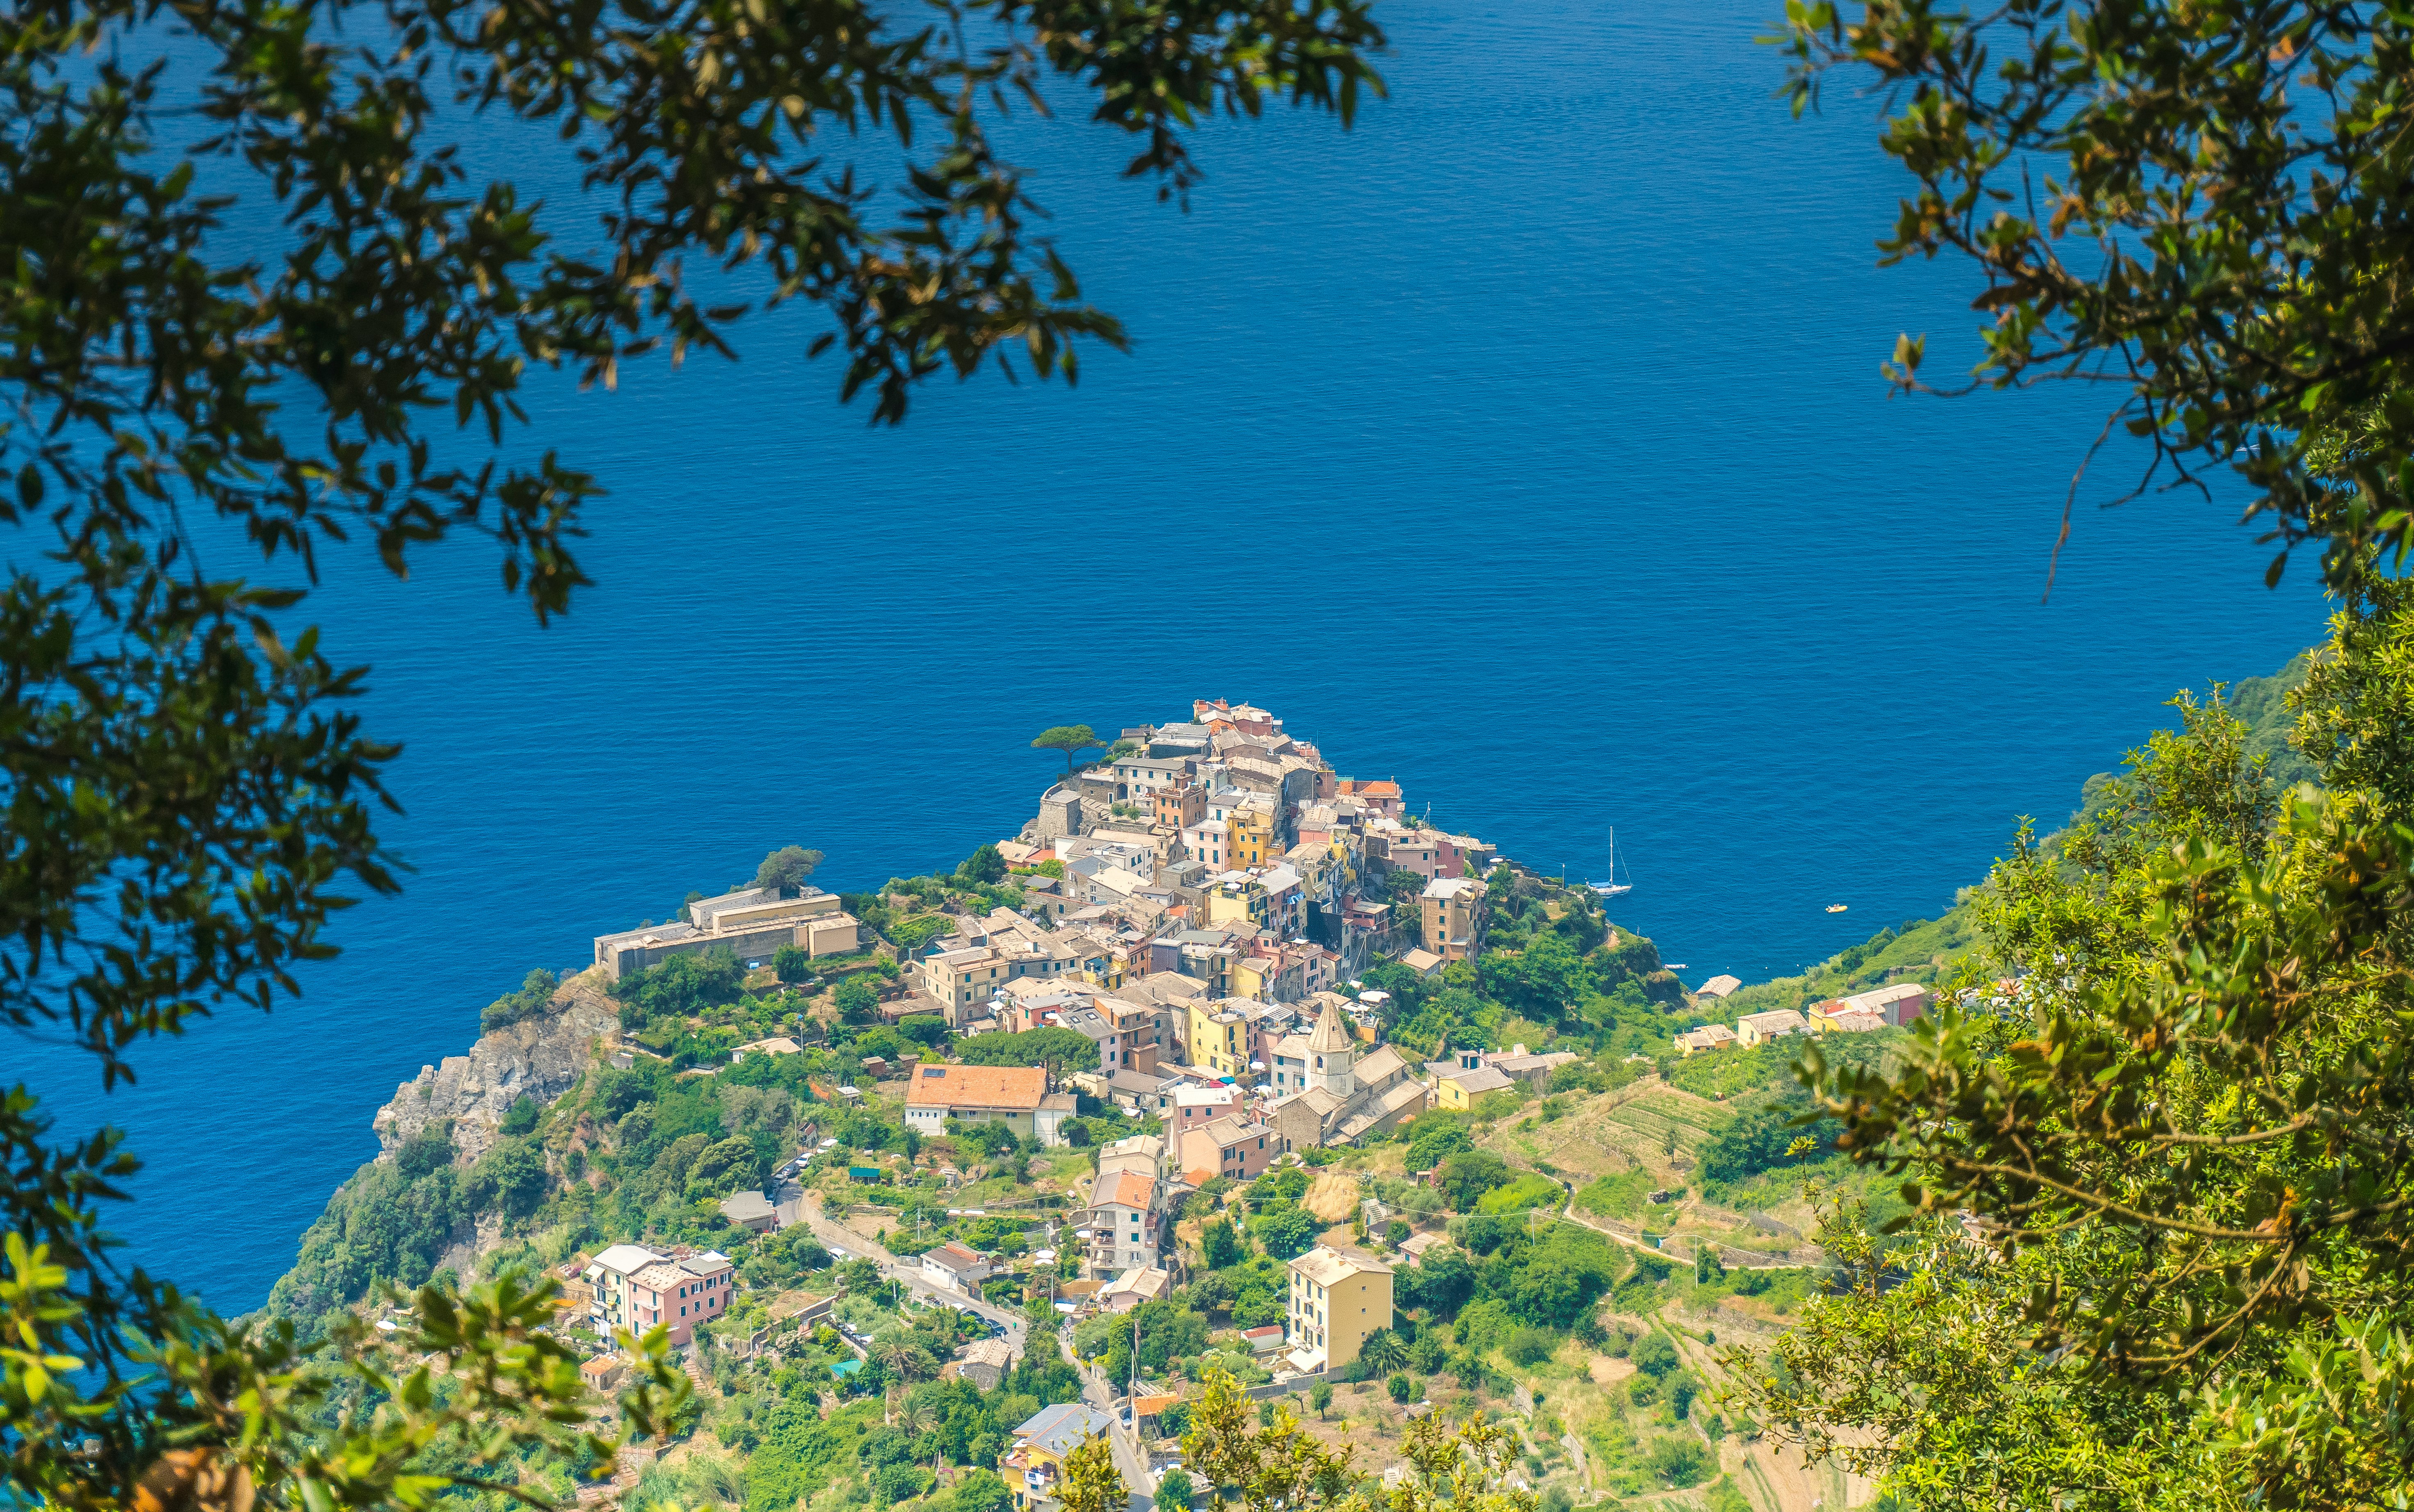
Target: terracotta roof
(1129,1188)
(1019,1088)
(955,1257)
(1151,1406)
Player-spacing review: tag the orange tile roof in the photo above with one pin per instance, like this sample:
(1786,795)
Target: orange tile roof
(1129,1188)
(1151,1406)
(1016,1087)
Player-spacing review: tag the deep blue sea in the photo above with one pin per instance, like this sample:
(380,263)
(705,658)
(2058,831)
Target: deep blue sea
(1526,444)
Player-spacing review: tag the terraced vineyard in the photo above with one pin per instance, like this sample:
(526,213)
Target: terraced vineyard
(1650,1127)
(1618,1148)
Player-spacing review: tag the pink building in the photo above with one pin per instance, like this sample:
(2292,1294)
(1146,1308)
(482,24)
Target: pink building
(1197,1107)
(637,1288)
(1230,1147)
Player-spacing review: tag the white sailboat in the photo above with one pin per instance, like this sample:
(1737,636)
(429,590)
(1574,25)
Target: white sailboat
(1613,888)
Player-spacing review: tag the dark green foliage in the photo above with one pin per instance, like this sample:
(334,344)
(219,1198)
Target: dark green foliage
(791,964)
(1682,1389)
(1465,1176)
(1253,1290)
(1220,1244)
(509,1179)
(1543,982)
(1436,1141)
(981,1489)
(984,867)
(1442,1281)
(1757,1139)
(1482,1233)
(786,870)
(1286,1231)
(1168,1330)
(1530,1346)
(1383,1351)
(1679,1463)
(857,999)
(1173,1488)
(726,1166)
(681,986)
(522,1115)
(1067,1049)
(1654,1355)
(1069,739)
(926,1029)
(1559,1276)
(988,1138)
(1288,1184)
(800,1451)
(388,1223)
(535,991)
(1398,1387)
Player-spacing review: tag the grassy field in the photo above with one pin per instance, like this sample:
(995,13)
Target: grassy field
(1655,1129)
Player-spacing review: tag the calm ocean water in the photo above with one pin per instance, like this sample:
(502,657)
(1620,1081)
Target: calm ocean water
(1524,444)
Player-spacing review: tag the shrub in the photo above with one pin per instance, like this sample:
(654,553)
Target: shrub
(522,1116)
(1469,1174)
(1173,1488)
(1287,1234)
(984,867)
(1679,1463)
(1528,1191)
(1653,1354)
(1220,1242)
(535,991)
(789,964)
(857,999)
(1431,1147)
(1398,1386)
(981,1491)
(509,1179)
(1530,1347)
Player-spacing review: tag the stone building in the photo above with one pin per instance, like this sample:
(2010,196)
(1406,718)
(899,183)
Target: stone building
(1346,1097)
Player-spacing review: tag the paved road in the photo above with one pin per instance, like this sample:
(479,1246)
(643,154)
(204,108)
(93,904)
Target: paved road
(1094,1391)
(1098,1393)
(835,1235)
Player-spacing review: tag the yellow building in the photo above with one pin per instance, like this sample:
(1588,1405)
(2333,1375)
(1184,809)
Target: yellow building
(1338,1298)
(1035,1466)
(1251,834)
(1458,1089)
(1219,1038)
(1238,906)
(1253,976)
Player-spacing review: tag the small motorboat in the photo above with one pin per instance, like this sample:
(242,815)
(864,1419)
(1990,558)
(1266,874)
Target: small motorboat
(1837,907)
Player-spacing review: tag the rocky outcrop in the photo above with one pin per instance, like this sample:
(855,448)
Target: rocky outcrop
(541,1056)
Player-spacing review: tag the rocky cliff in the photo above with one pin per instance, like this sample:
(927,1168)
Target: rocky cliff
(539,1056)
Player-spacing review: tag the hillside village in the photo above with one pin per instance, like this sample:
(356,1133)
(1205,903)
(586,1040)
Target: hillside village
(1224,1063)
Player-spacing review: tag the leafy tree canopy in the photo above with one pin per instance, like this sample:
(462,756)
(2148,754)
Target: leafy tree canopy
(786,868)
(1072,739)
(1067,1049)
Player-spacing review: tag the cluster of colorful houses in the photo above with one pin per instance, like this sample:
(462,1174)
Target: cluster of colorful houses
(1197,907)
(1219,848)
(1879,1008)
